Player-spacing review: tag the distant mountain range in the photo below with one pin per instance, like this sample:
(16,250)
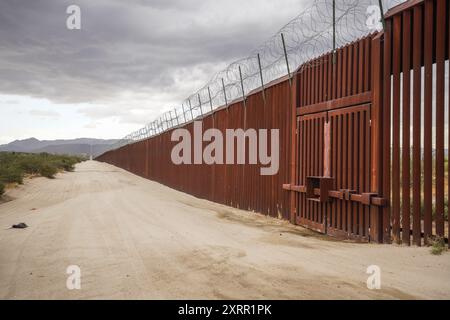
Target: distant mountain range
(80,146)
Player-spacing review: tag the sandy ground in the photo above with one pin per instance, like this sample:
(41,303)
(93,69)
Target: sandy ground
(133,238)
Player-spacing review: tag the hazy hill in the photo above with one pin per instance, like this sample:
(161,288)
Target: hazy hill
(80,146)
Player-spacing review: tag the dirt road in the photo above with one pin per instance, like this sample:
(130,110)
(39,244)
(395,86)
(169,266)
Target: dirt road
(133,238)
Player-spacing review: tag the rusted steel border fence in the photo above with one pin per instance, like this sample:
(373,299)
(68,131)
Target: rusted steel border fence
(416,46)
(362,138)
(240,186)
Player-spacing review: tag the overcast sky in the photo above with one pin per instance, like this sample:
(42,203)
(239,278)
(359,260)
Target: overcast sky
(130,61)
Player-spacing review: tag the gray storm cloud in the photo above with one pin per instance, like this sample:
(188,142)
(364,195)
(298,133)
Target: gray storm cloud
(133,46)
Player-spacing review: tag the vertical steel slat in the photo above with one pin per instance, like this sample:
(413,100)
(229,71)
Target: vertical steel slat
(440,115)
(339,168)
(344,72)
(355,67)
(339,74)
(320,80)
(428,118)
(361,65)
(406,151)
(448,124)
(396,67)
(367,163)
(417,127)
(345,154)
(350,170)
(348,92)
(387,130)
(368,63)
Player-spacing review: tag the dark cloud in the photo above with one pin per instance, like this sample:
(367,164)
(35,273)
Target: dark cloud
(134,46)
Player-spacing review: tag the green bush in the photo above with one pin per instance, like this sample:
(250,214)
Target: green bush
(438,246)
(31,165)
(65,164)
(48,171)
(11,175)
(13,165)
(69,167)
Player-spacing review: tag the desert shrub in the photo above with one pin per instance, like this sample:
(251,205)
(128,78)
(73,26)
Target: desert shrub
(32,164)
(438,246)
(69,167)
(48,171)
(13,165)
(11,174)
(65,163)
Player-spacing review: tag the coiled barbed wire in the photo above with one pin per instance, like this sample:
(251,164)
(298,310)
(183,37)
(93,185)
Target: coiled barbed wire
(307,36)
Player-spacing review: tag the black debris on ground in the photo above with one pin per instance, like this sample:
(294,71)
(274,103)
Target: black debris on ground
(21,225)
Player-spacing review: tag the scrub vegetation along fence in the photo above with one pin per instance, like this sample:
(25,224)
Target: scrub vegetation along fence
(363,138)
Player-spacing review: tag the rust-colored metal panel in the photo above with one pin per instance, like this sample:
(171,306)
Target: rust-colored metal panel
(387,62)
(417,126)
(310,213)
(406,132)
(416,52)
(375,181)
(396,69)
(348,137)
(440,115)
(428,118)
(344,85)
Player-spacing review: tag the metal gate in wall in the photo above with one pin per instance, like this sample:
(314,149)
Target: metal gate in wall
(334,176)
(334,184)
